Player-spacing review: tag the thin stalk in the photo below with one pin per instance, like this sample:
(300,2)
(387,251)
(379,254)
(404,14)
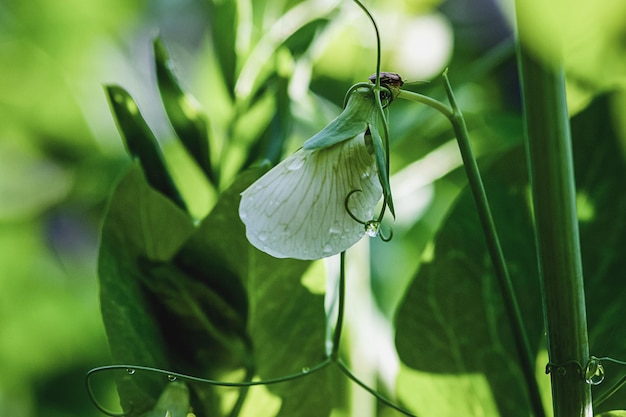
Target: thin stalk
(524,353)
(549,151)
(334,355)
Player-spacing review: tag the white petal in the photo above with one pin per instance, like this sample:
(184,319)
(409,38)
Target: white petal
(297,209)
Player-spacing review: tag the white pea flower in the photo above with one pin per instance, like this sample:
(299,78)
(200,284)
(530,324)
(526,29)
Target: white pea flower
(307,206)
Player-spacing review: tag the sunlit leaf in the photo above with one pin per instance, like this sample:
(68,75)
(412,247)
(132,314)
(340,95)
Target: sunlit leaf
(452,321)
(269,145)
(225,24)
(300,41)
(141,143)
(183,112)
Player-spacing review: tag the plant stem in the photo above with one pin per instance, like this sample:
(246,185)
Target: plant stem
(554,200)
(334,355)
(420,98)
(514,316)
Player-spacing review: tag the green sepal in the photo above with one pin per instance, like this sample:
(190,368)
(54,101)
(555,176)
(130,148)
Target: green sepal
(381,164)
(360,111)
(141,143)
(183,112)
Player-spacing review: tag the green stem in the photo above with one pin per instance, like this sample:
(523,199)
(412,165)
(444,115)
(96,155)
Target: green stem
(334,355)
(524,352)
(549,150)
(372,391)
(420,98)
(378,49)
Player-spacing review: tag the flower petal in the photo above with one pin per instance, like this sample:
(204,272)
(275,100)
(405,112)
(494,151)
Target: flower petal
(297,209)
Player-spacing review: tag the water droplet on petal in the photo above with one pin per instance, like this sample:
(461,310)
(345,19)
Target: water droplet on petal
(171,377)
(130,371)
(594,372)
(372,228)
(262,237)
(327,248)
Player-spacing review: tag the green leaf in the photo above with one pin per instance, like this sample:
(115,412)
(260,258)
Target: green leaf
(286,322)
(183,112)
(271,142)
(300,41)
(224,26)
(141,143)
(140,224)
(452,324)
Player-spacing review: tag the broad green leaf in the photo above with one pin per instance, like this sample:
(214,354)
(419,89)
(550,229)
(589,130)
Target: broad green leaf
(206,334)
(443,299)
(286,322)
(141,143)
(451,322)
(600,172)
(140,224)
(183,112)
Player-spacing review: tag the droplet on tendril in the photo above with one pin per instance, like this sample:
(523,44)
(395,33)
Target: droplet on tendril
(594,372)
(372,228)
(305,370)
(171,378)
(130,371)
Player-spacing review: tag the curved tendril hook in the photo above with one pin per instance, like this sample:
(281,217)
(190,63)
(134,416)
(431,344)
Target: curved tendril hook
(92,396)
(370,224)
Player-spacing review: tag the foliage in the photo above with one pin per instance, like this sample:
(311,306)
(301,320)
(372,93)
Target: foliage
(180,287)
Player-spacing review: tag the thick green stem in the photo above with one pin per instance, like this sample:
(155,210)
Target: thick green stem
(554,200)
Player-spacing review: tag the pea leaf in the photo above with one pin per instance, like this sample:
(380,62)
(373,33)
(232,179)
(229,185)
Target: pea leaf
(183,112)
(141,143)
(286,322)
(140,223)
(451,325)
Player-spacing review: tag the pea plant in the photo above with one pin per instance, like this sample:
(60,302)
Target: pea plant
(241,294)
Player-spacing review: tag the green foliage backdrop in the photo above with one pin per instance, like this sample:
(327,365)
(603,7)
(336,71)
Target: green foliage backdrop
(180,288)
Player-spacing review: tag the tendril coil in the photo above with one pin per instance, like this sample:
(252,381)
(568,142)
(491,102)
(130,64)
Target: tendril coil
(372,227)
(592,373)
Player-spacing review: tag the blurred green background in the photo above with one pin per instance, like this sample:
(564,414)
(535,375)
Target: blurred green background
(60,153)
